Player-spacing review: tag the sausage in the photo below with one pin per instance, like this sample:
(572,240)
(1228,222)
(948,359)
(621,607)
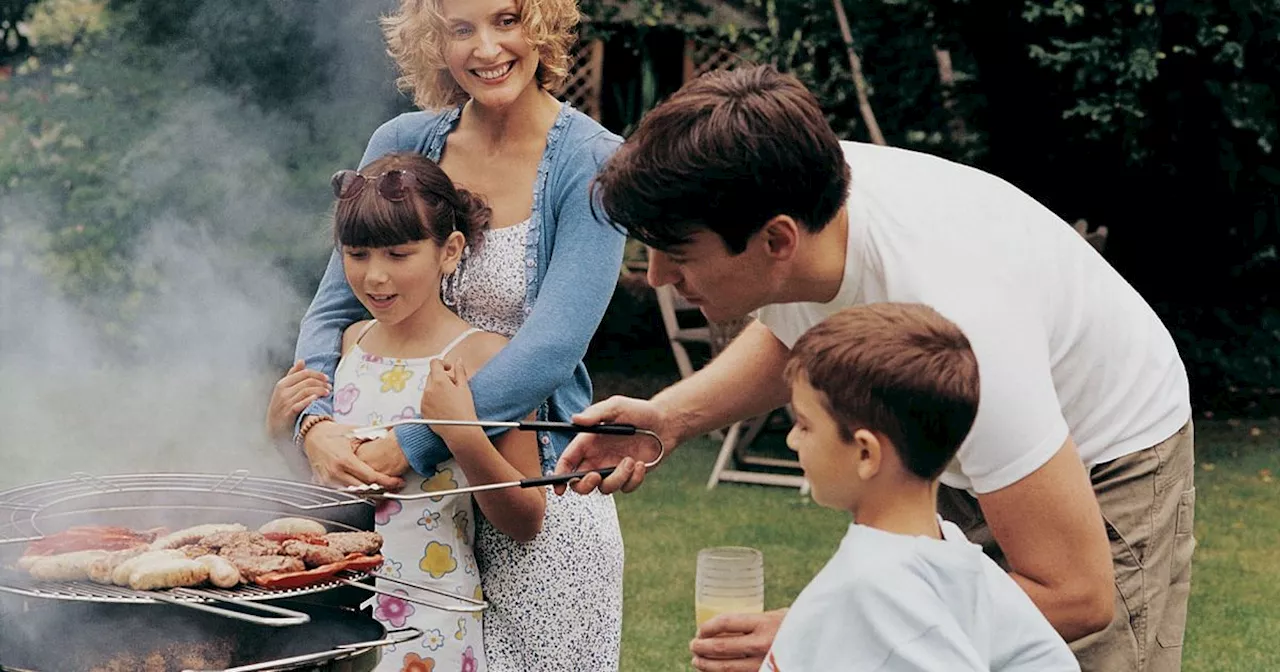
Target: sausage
(293,527)
(175,573)
(120,575)
(192,535)
(100,570)
(65,567)
(222,573)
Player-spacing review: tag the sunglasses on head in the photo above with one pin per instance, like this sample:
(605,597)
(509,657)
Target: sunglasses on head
(393,185)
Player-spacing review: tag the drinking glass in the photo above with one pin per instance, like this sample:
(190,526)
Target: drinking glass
(730,580)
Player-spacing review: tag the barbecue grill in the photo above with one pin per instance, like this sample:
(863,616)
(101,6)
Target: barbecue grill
(142,501)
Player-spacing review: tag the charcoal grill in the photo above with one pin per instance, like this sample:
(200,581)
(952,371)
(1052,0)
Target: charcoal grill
(176,501)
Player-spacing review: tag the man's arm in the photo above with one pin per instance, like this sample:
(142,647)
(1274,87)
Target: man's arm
(1051,531)
(743,382)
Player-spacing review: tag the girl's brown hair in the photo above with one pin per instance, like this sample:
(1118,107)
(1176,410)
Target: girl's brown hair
(433,209)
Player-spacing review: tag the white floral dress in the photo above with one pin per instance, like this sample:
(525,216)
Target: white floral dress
(427,541)
(555,603)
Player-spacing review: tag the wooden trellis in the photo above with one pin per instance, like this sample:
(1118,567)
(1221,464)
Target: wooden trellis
(702,57)
(583,88)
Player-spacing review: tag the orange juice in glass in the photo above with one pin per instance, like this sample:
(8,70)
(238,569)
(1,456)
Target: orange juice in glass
(730,580)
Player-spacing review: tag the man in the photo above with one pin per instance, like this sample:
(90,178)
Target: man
(1077,476)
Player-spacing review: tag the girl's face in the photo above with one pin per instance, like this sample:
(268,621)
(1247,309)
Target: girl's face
(486,50)
(396,282)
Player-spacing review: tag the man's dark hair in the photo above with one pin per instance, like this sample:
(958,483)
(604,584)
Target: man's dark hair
(727,152)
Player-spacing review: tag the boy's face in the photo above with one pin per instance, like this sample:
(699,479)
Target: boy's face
(830,464)
(722,285)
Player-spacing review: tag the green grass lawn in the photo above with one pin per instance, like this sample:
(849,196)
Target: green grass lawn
(1234,622)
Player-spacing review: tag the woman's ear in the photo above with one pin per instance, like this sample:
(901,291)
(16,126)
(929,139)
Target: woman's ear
(868,452)
(451,252)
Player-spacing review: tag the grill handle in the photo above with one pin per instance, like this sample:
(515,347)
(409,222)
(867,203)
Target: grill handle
(471,605)
(282,617)
(399,636)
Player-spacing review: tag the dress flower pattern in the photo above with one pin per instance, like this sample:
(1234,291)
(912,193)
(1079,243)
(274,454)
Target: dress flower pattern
(420,543)
(393,610)
(437,560)
(415,663)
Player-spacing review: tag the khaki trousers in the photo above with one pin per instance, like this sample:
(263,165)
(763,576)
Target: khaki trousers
(1148,502)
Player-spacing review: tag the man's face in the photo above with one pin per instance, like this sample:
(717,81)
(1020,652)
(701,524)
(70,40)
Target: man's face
(724,286)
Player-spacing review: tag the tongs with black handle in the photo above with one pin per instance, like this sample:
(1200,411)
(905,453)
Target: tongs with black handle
(379,431)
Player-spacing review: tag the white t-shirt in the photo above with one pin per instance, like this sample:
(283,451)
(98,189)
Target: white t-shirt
(1063,342)
(892,603)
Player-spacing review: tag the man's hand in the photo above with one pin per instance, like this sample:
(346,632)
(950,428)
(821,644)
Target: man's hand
(291,395)
(332,455)
(384,455)
(735,642)
(627,453)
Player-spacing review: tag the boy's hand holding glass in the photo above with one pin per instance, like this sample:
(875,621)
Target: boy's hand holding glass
(447,396)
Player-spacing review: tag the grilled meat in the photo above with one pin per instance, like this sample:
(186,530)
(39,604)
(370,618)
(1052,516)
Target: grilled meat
(66,566)
(120,575)
(222,573)
(192,535)
(293,527)
(251,566)
(365,543)
(100,570)
(174,573)
(311,554)
(247,544)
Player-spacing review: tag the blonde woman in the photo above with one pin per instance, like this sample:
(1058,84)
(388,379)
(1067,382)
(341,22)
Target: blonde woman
(483,70)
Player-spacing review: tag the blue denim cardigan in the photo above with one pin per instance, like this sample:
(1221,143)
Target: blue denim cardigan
(572,261)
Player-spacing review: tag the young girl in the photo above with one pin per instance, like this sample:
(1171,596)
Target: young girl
(402,226)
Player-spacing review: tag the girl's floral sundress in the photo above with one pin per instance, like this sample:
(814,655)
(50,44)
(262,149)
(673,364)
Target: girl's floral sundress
(427,541)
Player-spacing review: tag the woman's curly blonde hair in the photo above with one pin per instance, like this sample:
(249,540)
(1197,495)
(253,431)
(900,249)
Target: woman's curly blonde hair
(417,34)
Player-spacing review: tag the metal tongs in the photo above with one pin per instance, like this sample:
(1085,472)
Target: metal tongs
(379,431)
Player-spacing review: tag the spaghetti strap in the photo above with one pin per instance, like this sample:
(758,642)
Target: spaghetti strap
(454,343)
(364,330)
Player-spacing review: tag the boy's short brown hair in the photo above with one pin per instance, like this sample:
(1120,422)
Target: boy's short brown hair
(728,152)
(900,370)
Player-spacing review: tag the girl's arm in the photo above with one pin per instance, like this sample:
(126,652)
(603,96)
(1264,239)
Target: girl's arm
(517,512)
(579,283)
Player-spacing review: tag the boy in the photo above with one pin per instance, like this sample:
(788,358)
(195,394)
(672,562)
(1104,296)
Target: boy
(883,396)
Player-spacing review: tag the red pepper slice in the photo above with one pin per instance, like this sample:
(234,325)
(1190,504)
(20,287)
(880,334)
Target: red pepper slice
(288,580)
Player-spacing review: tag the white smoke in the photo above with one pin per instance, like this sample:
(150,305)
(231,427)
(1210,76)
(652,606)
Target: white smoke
(175,376)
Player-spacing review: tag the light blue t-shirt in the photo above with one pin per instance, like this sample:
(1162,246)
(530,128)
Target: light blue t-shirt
(889,602)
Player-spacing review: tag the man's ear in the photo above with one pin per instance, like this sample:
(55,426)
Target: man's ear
(781,237)
(868,452)
(451,252)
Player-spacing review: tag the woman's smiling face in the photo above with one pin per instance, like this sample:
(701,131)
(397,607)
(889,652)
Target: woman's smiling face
(486,50)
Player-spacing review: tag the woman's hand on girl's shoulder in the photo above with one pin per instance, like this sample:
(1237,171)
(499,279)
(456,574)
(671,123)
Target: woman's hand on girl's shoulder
(292,395)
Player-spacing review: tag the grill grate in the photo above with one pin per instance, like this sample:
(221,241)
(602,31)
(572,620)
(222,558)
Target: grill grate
(20,507)
(78,591)
(24,509)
